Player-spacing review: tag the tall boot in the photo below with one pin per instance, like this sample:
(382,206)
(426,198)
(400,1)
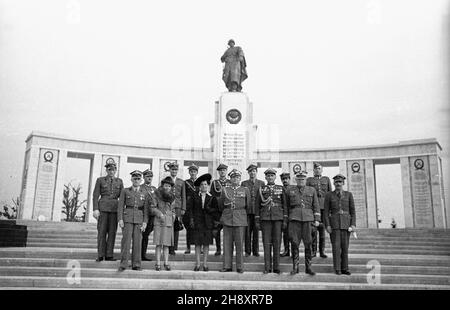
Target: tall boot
(314,241)
(308,260)
(286,245)
(295,259)
(322,248)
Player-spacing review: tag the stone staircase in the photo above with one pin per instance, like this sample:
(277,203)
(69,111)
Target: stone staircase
(408,259)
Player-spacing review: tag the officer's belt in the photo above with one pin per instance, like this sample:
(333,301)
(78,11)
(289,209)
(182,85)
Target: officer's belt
(230,206)
(132,207)
(340,212)
(300,207)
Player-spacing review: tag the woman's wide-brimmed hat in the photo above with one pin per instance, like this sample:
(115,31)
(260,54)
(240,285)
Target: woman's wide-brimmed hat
(205,177)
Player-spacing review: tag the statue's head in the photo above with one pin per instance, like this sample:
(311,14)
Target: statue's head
(231,43)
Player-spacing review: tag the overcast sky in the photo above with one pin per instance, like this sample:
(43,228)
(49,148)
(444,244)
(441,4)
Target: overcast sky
(321,73)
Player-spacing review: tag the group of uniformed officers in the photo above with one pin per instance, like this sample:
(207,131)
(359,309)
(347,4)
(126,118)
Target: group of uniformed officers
(292,213)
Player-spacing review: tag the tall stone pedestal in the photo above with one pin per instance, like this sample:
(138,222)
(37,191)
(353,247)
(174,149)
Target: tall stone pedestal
(233,134)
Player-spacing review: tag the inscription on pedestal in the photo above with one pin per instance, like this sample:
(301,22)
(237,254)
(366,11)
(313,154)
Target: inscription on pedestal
(421,192)
(233,144)
(45,184)
(357,186)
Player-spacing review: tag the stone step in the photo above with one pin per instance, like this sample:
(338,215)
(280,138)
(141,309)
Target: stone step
(354,258)
(353,245)
(93,237)
(217,265)
(93,226)
(15,282)
(362,250)
(227,276)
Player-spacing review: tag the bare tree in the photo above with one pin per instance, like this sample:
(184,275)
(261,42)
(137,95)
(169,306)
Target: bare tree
(10,211)
(72,203)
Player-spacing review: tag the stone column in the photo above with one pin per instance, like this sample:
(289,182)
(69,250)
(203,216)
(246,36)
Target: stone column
(59,188)
(356,180)
(406,188)
(211,169)
(371,194)
(436,194)
(94,174)
(156,172)
(310,168)
(123,173)
(343,170)
(30,184)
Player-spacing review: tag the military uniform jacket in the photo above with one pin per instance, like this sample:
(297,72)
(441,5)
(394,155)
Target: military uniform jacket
(180,196)
(322,185)
(233,202)
(164,208)
(134,205)
(253,188)
(152,191)
(339,213)
(303,204)
(191,191)
(271,203)
(108,190)
(217,185)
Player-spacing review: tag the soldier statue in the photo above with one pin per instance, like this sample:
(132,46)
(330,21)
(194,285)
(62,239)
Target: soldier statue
(234,70)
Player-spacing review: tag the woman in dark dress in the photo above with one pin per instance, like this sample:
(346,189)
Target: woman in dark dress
(202,214)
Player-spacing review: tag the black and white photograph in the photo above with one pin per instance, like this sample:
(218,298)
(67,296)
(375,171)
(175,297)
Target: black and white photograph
(235,148)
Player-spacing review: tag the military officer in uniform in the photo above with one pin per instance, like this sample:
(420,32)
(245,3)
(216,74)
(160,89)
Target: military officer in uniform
(286,180)
(179,203)
(303,209)
(340,221)
(151,190)
(191,191)
(105,201)
(271,216)
(216,191)
(251,233)
(234,202)
(132,213)
(322,185)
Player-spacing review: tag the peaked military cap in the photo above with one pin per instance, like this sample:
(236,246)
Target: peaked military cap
(251,167)
(317,165)
(136,173)
(301,174)
(147,172)
(111,164)
(285,175)
(222,166)
(193,167)
(173,165)
(167,180)
(270,171)
(205,177)
(234,172)
(339,177)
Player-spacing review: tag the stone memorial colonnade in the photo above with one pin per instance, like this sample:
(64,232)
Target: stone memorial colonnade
(420,160)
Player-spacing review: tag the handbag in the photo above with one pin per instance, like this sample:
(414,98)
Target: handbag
(177,225)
